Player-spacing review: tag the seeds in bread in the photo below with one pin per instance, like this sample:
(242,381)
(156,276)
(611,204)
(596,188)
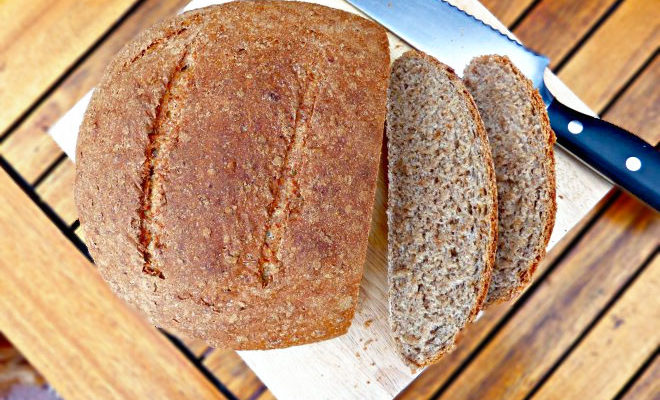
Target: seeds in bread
(226,170)
(441,208)
(521,142)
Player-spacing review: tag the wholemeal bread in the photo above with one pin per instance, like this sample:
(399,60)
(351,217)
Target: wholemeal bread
(226,170)
(442,211)
(521,141)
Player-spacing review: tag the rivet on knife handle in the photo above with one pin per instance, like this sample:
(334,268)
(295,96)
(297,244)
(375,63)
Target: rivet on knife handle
(617,154)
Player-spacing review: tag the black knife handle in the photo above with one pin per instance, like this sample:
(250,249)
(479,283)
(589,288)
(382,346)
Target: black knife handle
(620,156)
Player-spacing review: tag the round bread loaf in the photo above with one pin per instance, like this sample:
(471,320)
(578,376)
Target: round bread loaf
(226,170)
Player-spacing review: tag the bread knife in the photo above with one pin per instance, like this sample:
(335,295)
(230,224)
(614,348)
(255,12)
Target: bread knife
(454,37)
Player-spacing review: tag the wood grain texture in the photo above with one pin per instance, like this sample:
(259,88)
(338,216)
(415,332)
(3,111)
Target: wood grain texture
(553,28)
(33,59)
(230,369)
(31,151)
(563,305)
(507,11)
(64,319)
(56,190)
(648,384)
(638,108)
(615,348)
(614,53)
(29,148)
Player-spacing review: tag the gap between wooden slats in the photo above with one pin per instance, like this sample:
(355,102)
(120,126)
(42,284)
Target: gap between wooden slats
(646,385)
(508,12)
(555,27)
(55,189)
(41,40)
(562,306)
(624,336)
(28,147)
(616,50)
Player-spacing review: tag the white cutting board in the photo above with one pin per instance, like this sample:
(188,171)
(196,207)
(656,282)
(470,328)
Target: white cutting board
(363,363)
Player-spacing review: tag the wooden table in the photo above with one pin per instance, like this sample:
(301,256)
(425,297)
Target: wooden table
(589,327)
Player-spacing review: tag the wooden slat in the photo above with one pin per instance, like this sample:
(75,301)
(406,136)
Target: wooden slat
(56,190)
(434,376)
(615,348)
(648,384)
(62,316)
(563,305)
(29,149)
(616,51)
(31,153)
(638,109)
(507,11)
(554,27)
(40,39)
(230,369)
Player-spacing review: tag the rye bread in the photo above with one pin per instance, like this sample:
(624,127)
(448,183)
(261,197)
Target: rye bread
(442,208)
(226,170)
(521,141)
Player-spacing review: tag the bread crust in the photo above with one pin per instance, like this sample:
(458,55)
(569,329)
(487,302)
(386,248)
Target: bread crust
(538,109)
(482,288)
(223,190)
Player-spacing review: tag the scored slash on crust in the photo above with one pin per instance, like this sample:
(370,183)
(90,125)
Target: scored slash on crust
(287,184)
(161,141)
(153,196)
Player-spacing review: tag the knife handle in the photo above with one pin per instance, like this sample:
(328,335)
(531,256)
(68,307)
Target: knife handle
(617,154)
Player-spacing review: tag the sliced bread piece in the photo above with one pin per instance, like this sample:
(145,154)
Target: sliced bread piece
(521,142)
(442,208)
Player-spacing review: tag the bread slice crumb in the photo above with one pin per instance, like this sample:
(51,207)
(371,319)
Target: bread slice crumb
(521,142)
(441,208)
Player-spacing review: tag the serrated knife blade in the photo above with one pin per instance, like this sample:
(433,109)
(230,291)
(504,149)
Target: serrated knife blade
(454,37)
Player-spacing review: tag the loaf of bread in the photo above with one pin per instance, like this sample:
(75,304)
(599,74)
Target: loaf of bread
(521,142)
(226,170)
(442,208)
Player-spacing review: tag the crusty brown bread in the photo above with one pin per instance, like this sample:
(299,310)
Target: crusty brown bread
(227,167)
(442,208)
(521,141)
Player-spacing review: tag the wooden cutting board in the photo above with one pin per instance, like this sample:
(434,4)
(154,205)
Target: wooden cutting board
(364,363)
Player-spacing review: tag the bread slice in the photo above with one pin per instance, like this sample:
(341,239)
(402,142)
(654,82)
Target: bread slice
(521,142)
(441,208)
